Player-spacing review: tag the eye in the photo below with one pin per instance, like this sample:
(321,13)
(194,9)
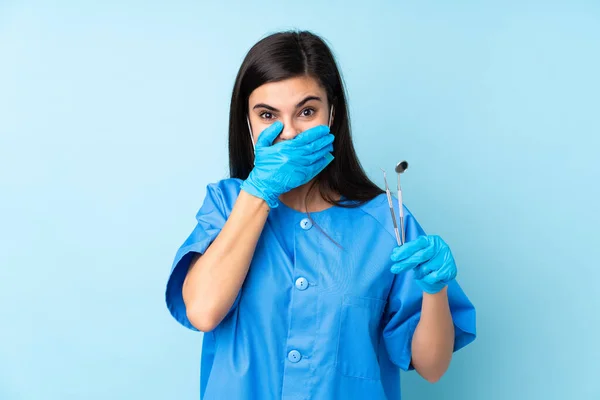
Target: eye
(308,112)
(266,115)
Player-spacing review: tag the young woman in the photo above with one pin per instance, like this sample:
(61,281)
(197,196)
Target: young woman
(293,271)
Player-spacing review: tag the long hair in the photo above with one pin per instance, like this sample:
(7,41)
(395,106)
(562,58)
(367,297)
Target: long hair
(287,55)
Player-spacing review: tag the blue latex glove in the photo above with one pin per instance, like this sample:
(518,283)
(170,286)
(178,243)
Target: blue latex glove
(281,167)
(430,258)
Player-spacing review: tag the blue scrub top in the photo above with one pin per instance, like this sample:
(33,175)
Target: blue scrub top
(314,319)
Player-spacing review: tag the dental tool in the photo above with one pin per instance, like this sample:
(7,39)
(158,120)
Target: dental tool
(389,197)
(400,168)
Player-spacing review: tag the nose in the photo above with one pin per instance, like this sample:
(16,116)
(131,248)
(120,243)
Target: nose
(289,131)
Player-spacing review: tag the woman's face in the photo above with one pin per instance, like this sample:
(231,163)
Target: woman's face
(299,103)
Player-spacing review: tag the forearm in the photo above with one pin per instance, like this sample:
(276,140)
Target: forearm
(433,340)
(215,278)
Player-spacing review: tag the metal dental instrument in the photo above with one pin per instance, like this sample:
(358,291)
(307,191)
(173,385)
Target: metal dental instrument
(389,197)
(400,168)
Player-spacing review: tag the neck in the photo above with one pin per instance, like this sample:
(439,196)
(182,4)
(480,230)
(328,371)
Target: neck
(297,199)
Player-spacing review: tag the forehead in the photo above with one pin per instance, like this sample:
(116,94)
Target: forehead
(287,92)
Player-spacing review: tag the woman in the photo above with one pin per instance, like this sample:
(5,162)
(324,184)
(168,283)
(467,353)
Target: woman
(293,271)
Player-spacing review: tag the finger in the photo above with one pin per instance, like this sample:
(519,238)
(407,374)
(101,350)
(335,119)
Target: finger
(431,278)
(399,268)
(441,263)
(316,156)
(440,276)
(422,270)
(308,154)
(419,257)
(318,144)
(401,253)
(267,136)
(438,241)
(310,135)
(315,168)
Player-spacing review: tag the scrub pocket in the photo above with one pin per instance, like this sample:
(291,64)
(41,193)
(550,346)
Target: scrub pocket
(358,343)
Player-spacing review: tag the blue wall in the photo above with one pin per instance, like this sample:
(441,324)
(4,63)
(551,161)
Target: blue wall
(113,119)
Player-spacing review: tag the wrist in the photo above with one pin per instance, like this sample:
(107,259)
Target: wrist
(251,200)
(255,190)
(432,289)
(439,291)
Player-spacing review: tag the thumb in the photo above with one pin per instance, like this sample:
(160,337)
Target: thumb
(267,136)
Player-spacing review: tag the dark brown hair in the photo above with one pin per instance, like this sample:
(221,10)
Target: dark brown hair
(287,55)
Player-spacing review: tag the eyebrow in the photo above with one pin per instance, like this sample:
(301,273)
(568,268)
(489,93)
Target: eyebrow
(304,101)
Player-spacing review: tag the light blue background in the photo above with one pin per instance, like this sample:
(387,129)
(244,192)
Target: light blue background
(113,119)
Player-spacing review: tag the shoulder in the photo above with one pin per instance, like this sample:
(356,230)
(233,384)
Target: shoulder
(229,187)
(379,210)
(221,195)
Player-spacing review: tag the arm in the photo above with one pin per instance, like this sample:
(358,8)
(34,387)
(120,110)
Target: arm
(215,278)
(428,262)
(433,340)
